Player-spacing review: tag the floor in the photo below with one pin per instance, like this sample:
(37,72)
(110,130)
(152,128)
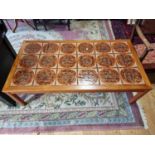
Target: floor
(147,102)
(148,105)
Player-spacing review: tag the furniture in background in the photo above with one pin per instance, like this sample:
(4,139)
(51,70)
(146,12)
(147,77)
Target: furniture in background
(141,28)
(16,24)
(7,57)
(75,66)
(45,22)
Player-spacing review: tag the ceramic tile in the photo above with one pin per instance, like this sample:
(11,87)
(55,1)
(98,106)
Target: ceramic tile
(48,61)
(21,75)
(88,48)
(67,61)
(66,77)
(48,74)
(32,48)
(88,77)
(51,48)
(68,48)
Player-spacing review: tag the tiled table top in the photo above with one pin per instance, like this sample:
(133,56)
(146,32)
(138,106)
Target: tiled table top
(68,66)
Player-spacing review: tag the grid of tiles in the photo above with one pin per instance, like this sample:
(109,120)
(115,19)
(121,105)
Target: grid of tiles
(74,63)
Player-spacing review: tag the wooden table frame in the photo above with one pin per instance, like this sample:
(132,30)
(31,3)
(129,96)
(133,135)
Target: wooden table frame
(132,100)
(142,89)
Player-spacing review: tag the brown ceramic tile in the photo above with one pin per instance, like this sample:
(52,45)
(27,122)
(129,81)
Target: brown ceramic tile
(108,80)
(132,64)
(111,62)
(51,48)
(36,48)
(106,49)
(66,81)
(23,70)
(69,63)
(85,56)
(125,82)
(86,51)
(88,77)
(114,51)
(45,58)
(53,77)
(71,50)
(31,60)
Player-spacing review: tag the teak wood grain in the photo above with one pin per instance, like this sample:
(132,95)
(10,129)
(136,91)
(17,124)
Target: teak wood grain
(77,88)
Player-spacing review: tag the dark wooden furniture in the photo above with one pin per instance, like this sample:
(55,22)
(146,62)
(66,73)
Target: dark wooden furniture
(7,57)
(141,28)
(87,69)
(16,24)
(137,29)
(45,23)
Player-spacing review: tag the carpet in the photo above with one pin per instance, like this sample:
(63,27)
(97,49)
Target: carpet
(80,30)
(69,111)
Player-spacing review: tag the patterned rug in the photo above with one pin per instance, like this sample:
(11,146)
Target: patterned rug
(80,30)
(69,111)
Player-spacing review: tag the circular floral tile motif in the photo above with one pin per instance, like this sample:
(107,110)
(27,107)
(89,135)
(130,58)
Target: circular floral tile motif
(48,61)
(125,60)
(45,76)
(120,47)
(86,61)
(67,61)
(106,60)
(85,48)
(109,75)
(32,48)
(50,48)
(66,76)
(28,61)
(131,75)
(23,77)
(102,47)
(68,48)
(88,76)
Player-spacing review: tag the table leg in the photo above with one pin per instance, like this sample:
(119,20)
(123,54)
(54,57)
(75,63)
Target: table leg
(17,99)
(133,99)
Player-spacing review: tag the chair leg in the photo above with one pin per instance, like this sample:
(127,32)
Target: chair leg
(44,23)
(8,24)
(35,24)
(16,25)
(27,22)
(134,29)
(68,24)
(133,32)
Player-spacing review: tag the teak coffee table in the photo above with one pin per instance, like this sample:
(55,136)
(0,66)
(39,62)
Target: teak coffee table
(77,66)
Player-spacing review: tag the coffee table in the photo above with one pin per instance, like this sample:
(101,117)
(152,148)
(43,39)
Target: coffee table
(76,66)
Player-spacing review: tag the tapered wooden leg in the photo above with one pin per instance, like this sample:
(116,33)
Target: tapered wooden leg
(137,96)
(17,99)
